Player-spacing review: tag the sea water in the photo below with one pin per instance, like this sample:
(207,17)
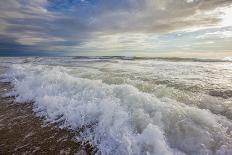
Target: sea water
(129,105)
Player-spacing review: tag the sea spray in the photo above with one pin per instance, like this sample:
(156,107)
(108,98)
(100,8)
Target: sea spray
(123,119)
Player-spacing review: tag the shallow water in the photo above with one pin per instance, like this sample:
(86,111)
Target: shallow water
(138,106)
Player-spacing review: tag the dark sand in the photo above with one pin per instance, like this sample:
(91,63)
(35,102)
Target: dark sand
(21,132)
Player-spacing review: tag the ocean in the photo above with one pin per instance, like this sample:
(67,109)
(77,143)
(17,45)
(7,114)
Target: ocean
(129,105)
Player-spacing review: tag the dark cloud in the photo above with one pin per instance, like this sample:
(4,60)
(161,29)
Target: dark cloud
(9,47)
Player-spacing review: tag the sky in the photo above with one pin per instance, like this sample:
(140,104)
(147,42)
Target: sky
(176,28)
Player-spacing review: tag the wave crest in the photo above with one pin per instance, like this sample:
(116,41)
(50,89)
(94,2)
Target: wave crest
(123,120)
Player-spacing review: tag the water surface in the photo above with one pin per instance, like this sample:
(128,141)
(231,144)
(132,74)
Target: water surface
(127,105)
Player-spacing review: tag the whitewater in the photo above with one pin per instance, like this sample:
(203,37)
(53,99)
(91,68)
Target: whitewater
(130,106)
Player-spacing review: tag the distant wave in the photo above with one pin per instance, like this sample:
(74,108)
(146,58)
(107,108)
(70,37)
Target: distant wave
(226,59)
(11,60)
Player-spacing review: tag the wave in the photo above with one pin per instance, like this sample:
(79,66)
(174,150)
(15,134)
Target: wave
(226,59)
(120,118)
(41,60)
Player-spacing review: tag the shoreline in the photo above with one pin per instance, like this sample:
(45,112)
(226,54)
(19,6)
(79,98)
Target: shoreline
(22,132)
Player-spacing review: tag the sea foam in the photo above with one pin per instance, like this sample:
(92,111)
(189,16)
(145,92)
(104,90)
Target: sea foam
(119,119)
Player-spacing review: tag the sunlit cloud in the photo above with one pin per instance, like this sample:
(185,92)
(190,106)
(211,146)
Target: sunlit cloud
(226,16)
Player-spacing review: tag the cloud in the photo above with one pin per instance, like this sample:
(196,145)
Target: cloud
(225,33)
(94,25)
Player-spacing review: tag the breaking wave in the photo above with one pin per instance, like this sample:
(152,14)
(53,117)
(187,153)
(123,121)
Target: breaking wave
(119,118)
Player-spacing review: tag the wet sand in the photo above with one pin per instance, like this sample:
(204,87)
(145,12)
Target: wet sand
(21,132)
